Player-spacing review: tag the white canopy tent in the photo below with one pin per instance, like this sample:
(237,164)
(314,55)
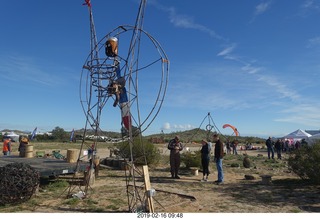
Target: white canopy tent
(298,134)
(314,138)
(13,136)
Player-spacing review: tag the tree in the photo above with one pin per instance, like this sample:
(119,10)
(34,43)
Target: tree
(143,152)
(59,134)
(305,162)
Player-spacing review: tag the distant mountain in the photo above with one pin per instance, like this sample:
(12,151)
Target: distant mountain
(193,135)
(15,131)
(196,135)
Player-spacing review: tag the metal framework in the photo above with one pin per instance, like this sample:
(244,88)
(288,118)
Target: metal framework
(121,77)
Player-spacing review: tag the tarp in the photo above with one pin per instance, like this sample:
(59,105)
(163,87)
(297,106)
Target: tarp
(316,136)
(313,138)
(298,134)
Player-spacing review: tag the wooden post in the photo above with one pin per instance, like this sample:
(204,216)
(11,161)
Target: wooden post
(148,188)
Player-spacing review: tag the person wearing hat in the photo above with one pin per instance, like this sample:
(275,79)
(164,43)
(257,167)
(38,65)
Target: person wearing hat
(22,146)
(218,157)
(6,149)
(205,158)
(175,146)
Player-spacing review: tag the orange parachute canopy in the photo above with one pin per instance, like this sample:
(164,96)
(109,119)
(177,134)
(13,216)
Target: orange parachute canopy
(235,130)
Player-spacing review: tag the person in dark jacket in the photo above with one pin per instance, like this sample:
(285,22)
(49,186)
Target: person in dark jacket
(278,146)
(218,157)
(175,146)
(205,158)
(22,146)
(269,144)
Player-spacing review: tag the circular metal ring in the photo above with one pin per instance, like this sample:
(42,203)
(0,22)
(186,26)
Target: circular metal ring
(209,127)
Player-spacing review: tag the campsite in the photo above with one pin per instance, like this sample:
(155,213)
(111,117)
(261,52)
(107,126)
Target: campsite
(286,193)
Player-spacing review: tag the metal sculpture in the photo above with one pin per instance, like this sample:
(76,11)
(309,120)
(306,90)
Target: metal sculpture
(125,69)
(18,182)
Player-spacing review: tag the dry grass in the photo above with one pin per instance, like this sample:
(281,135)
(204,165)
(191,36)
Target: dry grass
(286,193)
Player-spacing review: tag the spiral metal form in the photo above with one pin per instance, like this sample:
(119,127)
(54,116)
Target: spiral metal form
(18,182)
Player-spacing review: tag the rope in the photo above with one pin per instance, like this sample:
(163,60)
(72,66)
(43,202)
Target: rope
(209,128)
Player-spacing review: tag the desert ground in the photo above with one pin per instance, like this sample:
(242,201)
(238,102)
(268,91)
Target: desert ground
(286,193)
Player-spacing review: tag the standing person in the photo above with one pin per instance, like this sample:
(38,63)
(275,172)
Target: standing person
(234,145)
(286,146)
(228,145)
(22,146)
(269,144)
(175,146)
(205,158)
(218,157)
(278,146)
(6,149)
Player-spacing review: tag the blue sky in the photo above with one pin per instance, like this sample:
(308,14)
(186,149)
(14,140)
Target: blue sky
(252,64)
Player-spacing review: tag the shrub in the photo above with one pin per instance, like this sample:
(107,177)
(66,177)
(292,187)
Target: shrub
(235,165)
(246,162)
(191,159)
(143,151)
(305,162)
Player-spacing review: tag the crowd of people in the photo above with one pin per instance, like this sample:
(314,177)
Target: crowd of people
(7,146)
(175,146)
(219,149)
(283,146)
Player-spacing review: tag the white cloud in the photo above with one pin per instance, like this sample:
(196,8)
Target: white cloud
(166,126)
(185,21)
(313,42)
(304,114)
(20,68)
(183,127)
(262,8)
(281,88)
(250,69)
(226,51)
(310,4)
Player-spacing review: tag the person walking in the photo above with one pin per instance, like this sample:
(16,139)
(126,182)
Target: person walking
(175,146)
(269,144)
(6,149)
(205,158)
(218,157)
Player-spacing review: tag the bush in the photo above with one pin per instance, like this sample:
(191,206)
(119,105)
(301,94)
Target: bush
(246,162)
(143,152)
(234,165)
(305,163)
(191,159)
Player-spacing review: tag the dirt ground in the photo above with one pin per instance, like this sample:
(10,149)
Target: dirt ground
(285,194)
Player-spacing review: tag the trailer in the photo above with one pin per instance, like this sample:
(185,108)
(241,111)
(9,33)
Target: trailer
(47,166)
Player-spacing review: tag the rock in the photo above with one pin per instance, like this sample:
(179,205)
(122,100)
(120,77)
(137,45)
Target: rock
(249,177)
